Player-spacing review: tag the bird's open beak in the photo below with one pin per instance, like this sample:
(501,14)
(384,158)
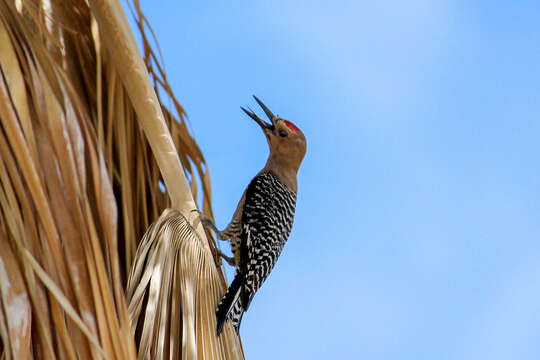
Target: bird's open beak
(263,124)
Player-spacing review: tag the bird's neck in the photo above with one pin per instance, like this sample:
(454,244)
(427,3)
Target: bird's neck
(284,169)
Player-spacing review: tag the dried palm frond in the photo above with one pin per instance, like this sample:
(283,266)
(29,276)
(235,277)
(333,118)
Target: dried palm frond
(58,211)
(162,281)
(84,146)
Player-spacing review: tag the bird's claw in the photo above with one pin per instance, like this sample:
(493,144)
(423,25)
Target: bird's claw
(206,221)
(228,259)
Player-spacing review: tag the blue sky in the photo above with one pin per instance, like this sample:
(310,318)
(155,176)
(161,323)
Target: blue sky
(417,231)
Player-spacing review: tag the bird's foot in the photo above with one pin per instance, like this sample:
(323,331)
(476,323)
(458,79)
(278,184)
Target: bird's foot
(228,259)
(207,222)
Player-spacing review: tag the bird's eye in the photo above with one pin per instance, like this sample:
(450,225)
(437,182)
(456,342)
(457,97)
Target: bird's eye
(282,133)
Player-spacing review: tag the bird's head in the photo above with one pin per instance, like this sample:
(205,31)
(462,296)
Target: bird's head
(286,141)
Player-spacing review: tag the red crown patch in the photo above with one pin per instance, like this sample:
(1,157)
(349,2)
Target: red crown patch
(291,126)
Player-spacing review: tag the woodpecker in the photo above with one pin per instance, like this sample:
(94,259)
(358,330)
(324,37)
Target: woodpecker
(263,218)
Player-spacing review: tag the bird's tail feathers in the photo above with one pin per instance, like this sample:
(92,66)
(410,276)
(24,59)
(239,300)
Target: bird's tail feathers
(230,306)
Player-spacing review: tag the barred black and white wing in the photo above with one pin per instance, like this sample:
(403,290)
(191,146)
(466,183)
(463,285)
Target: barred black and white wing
(267,223)
(267,219)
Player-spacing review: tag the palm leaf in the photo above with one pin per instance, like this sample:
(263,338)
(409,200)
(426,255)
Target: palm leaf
(84,145)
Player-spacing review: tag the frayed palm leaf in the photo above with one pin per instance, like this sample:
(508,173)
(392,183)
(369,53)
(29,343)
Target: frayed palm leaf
(84,144)
(172,271)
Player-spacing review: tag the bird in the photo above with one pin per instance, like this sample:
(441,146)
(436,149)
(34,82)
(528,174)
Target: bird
(263,219)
